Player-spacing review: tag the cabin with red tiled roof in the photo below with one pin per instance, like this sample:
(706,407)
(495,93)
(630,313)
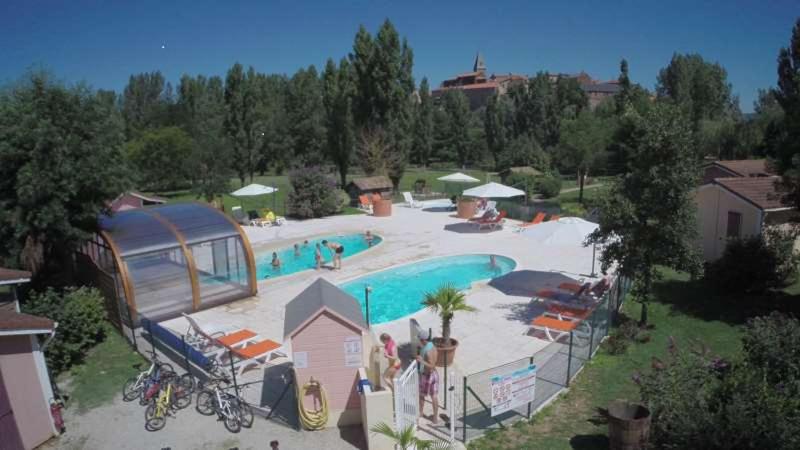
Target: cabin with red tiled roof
(737,199)
(477,86)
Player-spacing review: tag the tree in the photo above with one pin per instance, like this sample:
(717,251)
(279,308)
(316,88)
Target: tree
(537,110)
(61,162)
(583,144)
(786,137)
(570,98)
(446,301)
(306,118)
(498,120)
(423,125)
(648,218)
(374,152)
(622,99)
(698,87)
(456,106)
(238,124)
(161,156)
(523,151)
(338,100)
(406,438)
(145,103)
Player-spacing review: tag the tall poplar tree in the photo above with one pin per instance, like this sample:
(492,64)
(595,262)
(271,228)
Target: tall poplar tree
(423,126)
(338,91)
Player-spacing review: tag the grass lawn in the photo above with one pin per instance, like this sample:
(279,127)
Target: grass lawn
(683,310)
(277,201)
(100,378)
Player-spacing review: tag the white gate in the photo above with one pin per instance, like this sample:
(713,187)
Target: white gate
(406,398)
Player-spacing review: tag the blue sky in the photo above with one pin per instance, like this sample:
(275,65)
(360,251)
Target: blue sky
(103,42)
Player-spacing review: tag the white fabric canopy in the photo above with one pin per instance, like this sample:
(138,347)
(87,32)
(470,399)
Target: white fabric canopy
(254,189)
(493,190)
(458,177)
(566,231)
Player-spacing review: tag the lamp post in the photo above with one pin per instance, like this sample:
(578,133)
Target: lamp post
(594,251)
(367,290)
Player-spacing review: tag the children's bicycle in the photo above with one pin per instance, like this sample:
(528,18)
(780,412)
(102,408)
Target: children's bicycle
(135,386)
(232,410)
(173,395)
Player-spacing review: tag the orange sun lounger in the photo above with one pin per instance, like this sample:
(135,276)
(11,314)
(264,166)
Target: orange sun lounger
(537,219)
(567,313)
(258,354)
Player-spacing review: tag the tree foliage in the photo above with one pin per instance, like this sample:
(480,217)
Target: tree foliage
(160,157)
(338,94)
(583,144)
(313,194)
(648,217)
(785,136)
(61,162)
(146,103)
(423,126)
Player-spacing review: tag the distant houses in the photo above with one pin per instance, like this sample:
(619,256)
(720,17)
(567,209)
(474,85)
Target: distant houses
(478,87)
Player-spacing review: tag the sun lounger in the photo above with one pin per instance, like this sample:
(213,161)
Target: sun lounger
(410,202)
(492,223)
(562,312)
(537,219)
(575,288)
(364,203)
(258,354)
(213,340)
(553,217)
(376,198)
(555,329)
(238,214)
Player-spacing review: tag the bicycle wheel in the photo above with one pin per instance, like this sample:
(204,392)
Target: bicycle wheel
(187,382)
(246,414)
(181,398)
(130,390)
(234,422)
(206,402)
(153,421)
(165,367)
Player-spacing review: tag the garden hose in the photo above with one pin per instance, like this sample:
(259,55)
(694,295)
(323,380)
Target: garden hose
(312,420)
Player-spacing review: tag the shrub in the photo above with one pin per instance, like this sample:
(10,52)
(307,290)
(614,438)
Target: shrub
(313,194)
(522,181)
(342,200)
(773,343)
(549,186)
(755,264)
(573,210)
(80,314)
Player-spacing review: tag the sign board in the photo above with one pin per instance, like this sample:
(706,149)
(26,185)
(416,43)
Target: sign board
(300,360)
(513,389)
(352,351)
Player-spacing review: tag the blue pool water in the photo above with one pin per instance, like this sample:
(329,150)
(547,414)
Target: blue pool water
(398,292)
(290,263)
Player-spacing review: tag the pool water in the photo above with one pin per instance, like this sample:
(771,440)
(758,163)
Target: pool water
(399,291)
(291,263)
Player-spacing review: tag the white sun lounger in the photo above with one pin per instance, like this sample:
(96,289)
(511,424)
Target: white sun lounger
(410,202)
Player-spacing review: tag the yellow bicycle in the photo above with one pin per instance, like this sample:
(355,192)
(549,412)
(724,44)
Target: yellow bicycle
(174,395)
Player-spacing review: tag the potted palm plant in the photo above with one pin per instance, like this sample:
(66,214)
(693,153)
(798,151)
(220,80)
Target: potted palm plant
(446,301)
(406,438)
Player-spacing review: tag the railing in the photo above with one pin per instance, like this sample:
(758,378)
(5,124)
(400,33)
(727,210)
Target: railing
(406,398)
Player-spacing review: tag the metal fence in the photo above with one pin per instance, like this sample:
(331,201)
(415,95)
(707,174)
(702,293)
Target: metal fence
(556,366)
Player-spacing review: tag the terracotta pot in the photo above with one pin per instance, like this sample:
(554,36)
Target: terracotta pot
(467,208)
(445,353)
(382,208)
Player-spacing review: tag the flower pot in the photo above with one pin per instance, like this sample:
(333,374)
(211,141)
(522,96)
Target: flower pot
(628,425)
(467,208)
(445,353)
(382,208)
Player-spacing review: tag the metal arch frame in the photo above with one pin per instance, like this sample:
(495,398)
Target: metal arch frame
(248,250)
(122,268)
(187,254)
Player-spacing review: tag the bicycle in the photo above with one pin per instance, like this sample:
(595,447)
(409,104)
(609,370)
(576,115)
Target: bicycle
(234,411)
(135,386)
(184,386)
(174,396)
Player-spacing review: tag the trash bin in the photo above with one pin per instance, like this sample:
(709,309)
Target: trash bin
(382,208)
(467,208)
(628,425)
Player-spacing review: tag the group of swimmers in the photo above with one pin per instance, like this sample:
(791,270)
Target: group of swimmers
(335,248)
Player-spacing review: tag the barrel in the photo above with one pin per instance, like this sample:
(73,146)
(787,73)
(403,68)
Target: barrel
(382,208)
(628,425)
(467,208)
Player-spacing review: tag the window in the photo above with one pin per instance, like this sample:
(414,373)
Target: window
(734,224)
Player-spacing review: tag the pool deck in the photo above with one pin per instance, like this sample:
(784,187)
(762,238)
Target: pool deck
(494,335)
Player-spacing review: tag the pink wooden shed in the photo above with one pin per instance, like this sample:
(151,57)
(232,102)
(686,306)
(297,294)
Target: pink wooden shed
(326,331)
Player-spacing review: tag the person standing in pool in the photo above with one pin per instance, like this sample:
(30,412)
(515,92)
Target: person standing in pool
(296,250)
(338,250)
(318,256)
(276,262)
(368,237)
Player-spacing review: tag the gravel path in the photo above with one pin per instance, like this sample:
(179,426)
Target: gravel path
(121,426)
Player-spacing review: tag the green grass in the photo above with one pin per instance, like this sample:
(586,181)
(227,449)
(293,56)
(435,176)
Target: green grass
(100,378)
(683,310)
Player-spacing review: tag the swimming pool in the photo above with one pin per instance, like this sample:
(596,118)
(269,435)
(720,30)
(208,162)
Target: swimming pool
(291,263)
(399,291)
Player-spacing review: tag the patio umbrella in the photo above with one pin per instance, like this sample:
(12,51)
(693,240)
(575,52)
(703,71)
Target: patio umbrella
(457,177)
(566,231)
(252,190)
(494,190)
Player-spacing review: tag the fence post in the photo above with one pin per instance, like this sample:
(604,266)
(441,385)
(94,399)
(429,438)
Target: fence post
(464,417)
(233,374)
(591,334)
(569,358)
(152,339)
(530,362)
(445,378)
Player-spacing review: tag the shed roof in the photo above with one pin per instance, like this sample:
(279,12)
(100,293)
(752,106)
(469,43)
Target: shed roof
(321,294)
(745,167)
(377,182)
(13,276)
(759,191)
(12,321)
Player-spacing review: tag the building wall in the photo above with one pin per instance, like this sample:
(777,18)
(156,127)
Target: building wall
(713,205)
(323,339)
(24,387)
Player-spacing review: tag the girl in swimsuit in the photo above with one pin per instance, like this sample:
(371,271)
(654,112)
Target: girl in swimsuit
(390,352)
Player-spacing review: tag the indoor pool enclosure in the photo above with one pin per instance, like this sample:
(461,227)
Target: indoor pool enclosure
(166,260)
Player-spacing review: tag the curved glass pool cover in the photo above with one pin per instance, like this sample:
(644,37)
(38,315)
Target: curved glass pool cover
(178,258)
(399,291)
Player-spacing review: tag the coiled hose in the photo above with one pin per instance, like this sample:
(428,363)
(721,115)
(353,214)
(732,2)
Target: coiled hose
(312,420)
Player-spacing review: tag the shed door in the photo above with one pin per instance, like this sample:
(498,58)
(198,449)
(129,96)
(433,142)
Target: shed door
(8,426)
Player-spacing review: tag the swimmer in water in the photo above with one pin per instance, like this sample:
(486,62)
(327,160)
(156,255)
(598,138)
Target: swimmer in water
(296,250)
